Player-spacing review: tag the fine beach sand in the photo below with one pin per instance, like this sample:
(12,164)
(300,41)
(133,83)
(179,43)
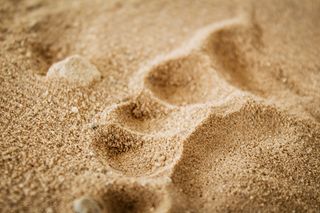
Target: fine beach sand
(159,106)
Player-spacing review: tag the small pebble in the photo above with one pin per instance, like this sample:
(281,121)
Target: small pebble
(49,210)
(74,109)
(93,125)
(309,150)
(86,205)
(75,69)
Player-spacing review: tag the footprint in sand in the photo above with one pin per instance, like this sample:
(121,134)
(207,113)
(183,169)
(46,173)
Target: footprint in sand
(140,137)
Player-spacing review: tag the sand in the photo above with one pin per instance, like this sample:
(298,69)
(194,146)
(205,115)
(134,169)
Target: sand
(160,106)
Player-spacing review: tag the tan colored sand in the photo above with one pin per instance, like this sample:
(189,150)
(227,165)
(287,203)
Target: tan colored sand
(202,106)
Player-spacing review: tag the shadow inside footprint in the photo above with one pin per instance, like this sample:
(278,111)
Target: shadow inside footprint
(132,153)
(183,80)
(233,49)
(135,197)
(135,140)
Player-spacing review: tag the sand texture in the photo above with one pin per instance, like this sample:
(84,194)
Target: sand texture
(159,106)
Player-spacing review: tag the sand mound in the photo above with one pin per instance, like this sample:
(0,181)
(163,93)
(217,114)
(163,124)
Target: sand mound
(218,113)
